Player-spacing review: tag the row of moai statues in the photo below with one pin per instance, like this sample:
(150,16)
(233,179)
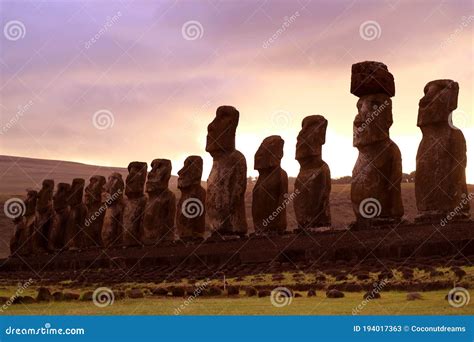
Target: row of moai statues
(106,218)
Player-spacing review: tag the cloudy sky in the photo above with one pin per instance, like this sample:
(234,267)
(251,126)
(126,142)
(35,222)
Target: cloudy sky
(106,83)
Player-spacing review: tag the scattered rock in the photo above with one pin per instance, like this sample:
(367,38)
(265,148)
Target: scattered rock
(311,293)
(86,296)
(134,293)
(414,296)
(371,295)
(264,293)
(70,296)
(334,294)
(44,295)
(250,291)
(232,291)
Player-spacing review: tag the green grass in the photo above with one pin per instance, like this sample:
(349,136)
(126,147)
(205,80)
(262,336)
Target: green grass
(391,303)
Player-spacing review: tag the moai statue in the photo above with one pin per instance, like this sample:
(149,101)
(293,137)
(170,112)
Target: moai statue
(313,184)
(269,196)
(190,213)
(158,222)
(377,174)
(440,179)
(113,220)
(134,204)
(95,211)
(21,242)
(77,215)
(44,217)
(57,234)
(225,197)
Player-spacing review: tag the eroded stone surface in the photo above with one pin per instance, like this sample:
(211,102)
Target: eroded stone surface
(371,78)
(44,216)
(225,197)
(57,234)
(134,203)
(191,213)
(158,223)
(271,189)
(95,211)
(313,183)
(113,220)
(377,174)
(440,181)
(21,241)
(77,215)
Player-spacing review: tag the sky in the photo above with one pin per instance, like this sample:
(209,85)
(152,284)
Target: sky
(109,82)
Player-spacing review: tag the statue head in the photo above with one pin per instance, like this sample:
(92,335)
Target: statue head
(93,193)
(221,131)
(269,153)
(45,195)
(191,172)
(77,191)
(136,178)
(114,187)
(61,196)
(440,99)
(159,175)
(374,119)
(30,202)
(311,137)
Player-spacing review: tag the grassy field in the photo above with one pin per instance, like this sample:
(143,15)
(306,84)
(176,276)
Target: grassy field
(390,303)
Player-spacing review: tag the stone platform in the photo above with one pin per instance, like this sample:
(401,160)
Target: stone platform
(402,243)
